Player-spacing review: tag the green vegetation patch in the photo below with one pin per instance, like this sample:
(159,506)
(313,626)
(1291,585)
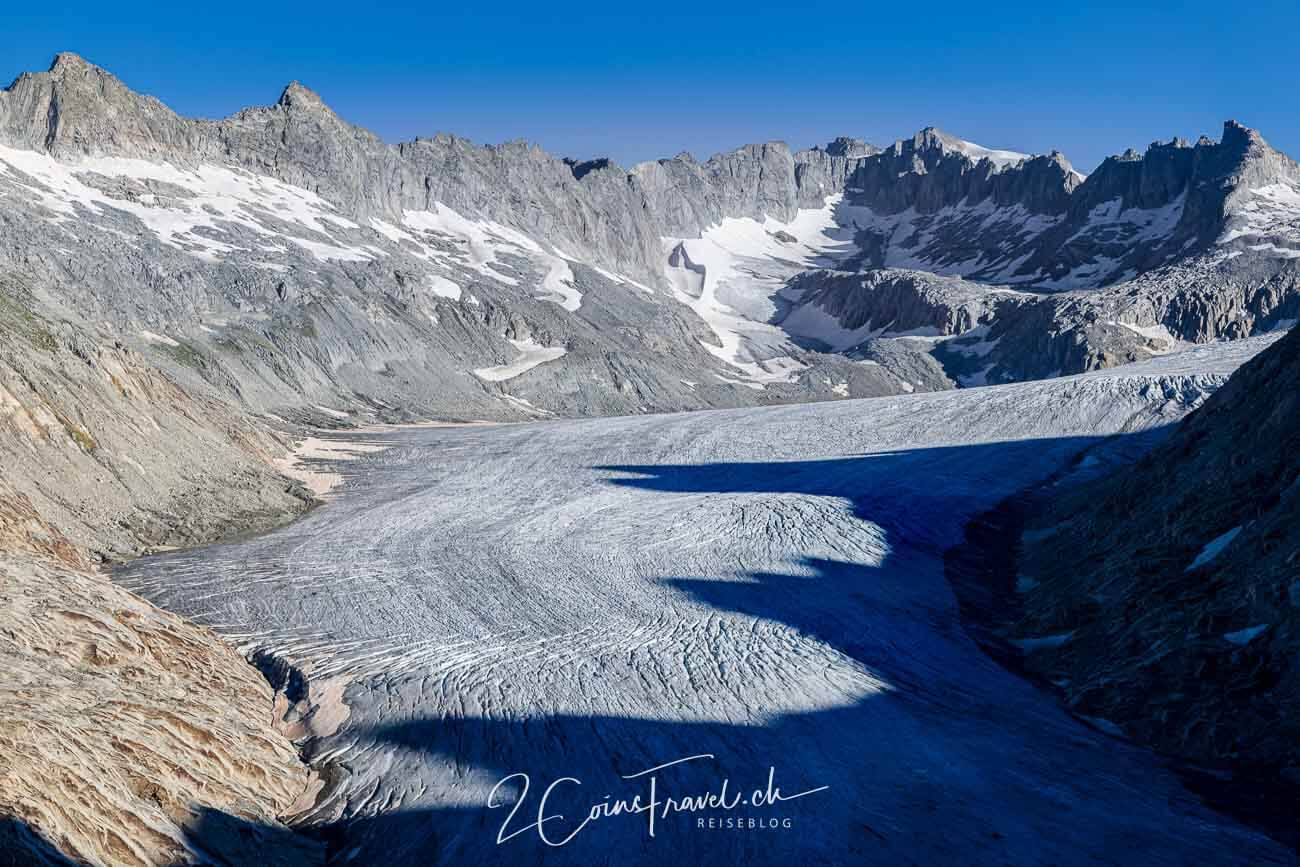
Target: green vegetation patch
(187,355)
(18,318)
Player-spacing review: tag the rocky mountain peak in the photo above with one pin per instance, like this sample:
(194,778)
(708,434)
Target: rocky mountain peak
(297,95)
(76,109)
(852,148)
(1238,134)
(931,137)
(69,63)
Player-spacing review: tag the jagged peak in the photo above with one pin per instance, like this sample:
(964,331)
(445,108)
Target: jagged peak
(68,61)
(848,146)
(298,95)
(1240,135)
(1235,127)
(1062,162)
(1236,136)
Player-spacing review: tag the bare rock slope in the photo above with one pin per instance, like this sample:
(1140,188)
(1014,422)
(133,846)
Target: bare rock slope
(124,728)
(124,725)
(1166,599)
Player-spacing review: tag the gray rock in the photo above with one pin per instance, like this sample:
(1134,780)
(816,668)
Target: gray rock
(348,306)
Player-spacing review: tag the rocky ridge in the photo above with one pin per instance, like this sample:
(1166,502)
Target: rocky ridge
(1176,622)
(127,731)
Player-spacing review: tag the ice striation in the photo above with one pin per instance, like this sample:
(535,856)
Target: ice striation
(589,599)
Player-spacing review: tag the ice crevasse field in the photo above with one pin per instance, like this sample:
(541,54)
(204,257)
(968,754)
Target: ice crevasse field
(760,591)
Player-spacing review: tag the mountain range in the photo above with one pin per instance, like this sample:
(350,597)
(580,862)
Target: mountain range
(293,260)
(181,299)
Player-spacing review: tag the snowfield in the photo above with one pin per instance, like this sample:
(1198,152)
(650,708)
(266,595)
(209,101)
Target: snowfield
(759,591)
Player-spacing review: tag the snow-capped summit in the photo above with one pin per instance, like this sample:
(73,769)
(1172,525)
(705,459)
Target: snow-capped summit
(976,153)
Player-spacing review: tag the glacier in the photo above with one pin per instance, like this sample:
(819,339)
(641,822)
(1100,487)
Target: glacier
(488,612)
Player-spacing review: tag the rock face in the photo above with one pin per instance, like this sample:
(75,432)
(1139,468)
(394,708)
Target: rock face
(1173,587)
(1185,243)
(935,170)
(126,728)
(996,216)
(300,263)
(130,736)
(114,454)
(893,300)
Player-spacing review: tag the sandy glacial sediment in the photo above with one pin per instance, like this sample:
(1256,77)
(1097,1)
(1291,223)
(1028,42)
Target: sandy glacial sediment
(308,461)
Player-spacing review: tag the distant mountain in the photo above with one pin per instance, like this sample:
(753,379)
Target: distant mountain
(938,204)
(1185,243)
(292,261)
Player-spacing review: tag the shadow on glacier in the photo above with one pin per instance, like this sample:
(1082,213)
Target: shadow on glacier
(951,759)
(919,497)
(940,705)
(21,845)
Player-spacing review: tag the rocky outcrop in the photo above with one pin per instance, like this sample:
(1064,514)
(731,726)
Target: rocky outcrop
(939,203)
(935,170)
(125,727)
(891,300)
(115,454)
(1165,599)
(130,736)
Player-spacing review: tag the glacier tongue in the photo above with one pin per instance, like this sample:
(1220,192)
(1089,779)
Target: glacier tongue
(589,599)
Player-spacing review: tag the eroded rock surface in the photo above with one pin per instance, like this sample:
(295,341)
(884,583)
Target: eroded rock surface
(1172,588)
(122,726)
(130,736)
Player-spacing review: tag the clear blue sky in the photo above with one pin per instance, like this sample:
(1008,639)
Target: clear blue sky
(651,80)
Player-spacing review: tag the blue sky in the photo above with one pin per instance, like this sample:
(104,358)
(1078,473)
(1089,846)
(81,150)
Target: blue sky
(652,80)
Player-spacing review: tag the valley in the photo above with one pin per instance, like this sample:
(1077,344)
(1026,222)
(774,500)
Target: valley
(590,599)
(355,492)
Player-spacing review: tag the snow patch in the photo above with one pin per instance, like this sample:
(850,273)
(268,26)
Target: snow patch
(1270,217)
(217,198)
(1213,549)
(479,244)
(999,158)
(531,354)
(443,287)
(732,274)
